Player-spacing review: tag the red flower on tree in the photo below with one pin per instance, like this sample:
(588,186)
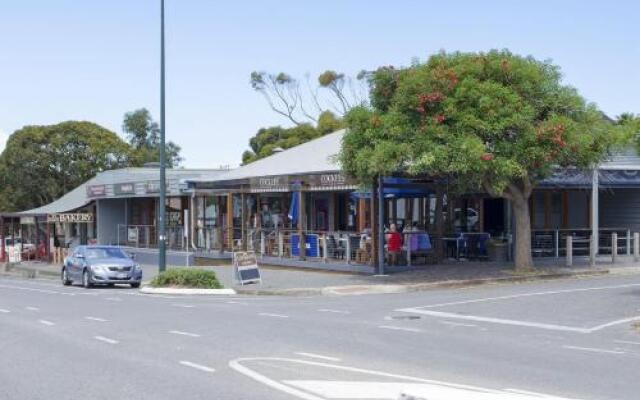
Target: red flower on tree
(487,157)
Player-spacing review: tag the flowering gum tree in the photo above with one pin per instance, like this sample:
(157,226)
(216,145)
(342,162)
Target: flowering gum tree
(495,122)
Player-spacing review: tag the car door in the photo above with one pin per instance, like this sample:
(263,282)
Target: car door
(77,260)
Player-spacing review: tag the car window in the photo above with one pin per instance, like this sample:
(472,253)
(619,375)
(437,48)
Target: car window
(104,252)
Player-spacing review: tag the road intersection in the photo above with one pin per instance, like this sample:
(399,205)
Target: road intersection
(569,339)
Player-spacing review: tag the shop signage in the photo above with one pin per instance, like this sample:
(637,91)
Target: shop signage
(270,182)
(124,188)
(132,235)
(96,190)
(245,264)
(27,220)
(70,217)
(330,180)
(152,187)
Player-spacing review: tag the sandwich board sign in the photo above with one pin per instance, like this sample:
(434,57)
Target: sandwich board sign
(245,265)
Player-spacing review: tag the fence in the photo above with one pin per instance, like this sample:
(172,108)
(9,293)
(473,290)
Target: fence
(552,243)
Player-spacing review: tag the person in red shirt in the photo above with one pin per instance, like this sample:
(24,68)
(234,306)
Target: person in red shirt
(394,244)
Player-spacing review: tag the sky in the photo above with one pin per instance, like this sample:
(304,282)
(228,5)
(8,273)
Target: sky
(95,59)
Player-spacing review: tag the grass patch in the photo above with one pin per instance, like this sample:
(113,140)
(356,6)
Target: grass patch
(187,278)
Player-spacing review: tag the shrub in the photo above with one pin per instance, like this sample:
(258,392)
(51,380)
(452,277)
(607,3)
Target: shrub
(187,278)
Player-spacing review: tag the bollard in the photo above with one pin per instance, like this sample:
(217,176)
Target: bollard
(614,247)
(636,246)
(262,244)
(556,243)
(348,249)
(569,250)
(280,245)
(628,242)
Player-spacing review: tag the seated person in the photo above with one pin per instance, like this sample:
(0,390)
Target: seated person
(394,244)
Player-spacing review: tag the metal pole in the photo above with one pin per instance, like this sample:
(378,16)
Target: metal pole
(569,246)
(380,225)
(593,251)
(636,246)
(614,247)
(162,247)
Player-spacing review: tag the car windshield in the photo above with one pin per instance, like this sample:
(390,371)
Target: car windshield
(104,252)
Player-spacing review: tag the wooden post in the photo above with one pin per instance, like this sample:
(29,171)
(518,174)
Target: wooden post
(302,219)
(243,222)
(374,224)
(230,221)
(362,215)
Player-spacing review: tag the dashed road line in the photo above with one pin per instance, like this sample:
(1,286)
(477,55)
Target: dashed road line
(96,319)
(273,315)
(237,302)
(400,328)
(593,350)
(184,333)
(32,308)
(4,311)
(45,322)
(318,356)
(106,339)
(183,305)
(197,366)
(457,324)
(329,310)
(627,342)
(113,298)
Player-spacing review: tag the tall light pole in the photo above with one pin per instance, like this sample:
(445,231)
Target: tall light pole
(162,246)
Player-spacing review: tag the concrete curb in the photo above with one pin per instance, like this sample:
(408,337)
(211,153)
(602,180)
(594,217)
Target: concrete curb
(151,290)
(354,290)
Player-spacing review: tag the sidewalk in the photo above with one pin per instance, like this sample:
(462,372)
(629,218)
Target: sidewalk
(292,281)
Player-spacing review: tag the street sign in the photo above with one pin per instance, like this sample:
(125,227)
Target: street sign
(245,265)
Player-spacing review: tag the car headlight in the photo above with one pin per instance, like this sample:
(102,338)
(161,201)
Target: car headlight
(137,268)
(98,268)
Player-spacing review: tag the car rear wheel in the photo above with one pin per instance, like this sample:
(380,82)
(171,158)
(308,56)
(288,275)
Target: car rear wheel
(135,285)
(86,282)
(65,277)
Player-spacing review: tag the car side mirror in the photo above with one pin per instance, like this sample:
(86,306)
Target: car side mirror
(132,256)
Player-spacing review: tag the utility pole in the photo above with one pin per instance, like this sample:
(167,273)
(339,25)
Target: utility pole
(162,237)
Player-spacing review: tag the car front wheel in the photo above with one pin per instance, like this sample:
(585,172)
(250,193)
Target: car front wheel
(86,282)
(65,277)
(135,285)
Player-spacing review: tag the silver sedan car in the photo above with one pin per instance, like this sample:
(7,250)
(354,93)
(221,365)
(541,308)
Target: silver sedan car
(102,265)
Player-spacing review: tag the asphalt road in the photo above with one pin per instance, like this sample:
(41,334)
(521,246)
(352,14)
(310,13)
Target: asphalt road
(570,339)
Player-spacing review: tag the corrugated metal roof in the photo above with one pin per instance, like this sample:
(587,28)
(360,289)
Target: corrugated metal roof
(317,155)
(78,198)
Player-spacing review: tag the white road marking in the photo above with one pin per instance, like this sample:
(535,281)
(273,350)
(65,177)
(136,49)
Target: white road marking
(106,339)
(184,333)
(29,289)
(529,393)
(95,319)
(32,308)
(197,366)
(273,315)
(516,296)
(627,342)
(318,356)
(113,298)
(45,322)
(399,328)
(237,302)
(328,310)
(441,314)
(457,324)
(322,390)
(5,311)
(594,350)
(183,305)
(617,322)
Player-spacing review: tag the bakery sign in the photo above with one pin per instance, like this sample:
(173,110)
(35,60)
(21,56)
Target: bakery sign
(70,218)
(332,180)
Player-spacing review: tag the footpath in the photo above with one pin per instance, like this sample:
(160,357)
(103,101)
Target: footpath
(304,282)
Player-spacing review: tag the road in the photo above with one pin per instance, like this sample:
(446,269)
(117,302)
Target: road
(573,339)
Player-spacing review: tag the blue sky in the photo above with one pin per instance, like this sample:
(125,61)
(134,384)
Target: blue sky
(96,59)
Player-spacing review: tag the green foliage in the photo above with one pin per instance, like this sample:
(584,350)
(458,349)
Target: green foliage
(41,163)
(144,136)
(267,139)
(187,278)
(491,120)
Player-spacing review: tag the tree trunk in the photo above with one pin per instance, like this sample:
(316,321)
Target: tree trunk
(523,259)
